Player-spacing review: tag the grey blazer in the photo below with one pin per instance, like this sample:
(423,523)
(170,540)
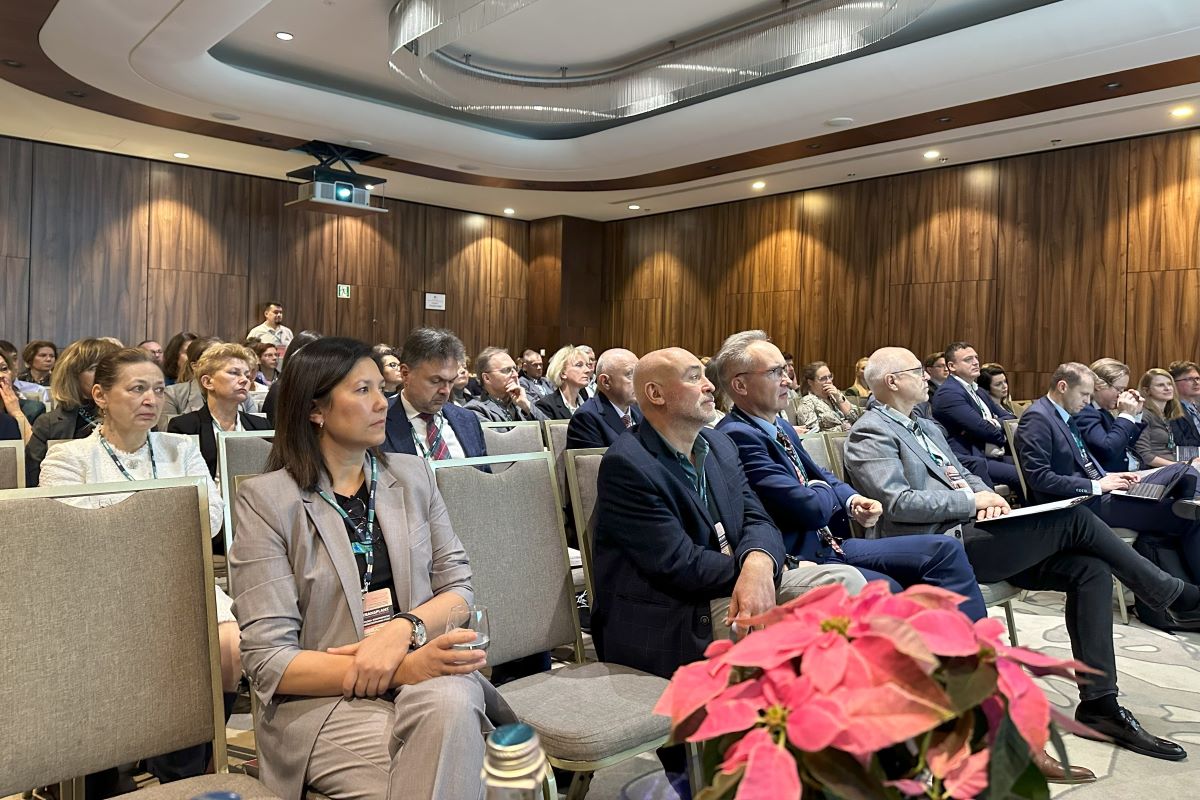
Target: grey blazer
(885,461)
(296,587)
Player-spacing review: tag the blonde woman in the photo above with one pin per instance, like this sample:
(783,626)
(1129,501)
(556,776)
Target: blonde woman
(570,372)
(1156,445)
(859,388)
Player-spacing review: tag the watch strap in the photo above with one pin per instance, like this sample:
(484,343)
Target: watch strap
(417,624)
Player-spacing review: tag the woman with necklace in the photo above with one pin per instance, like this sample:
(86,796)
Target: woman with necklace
(128,395)
(346,570)
(570,373)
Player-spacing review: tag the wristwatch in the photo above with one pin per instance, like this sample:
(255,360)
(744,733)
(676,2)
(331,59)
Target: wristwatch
(418,629)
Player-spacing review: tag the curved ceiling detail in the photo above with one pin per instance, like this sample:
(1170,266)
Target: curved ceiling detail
(797,35)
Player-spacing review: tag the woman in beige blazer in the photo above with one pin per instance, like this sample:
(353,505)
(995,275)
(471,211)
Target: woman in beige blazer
(394,713)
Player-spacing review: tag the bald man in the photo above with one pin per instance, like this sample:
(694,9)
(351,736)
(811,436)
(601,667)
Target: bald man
(613,409)
(906,463)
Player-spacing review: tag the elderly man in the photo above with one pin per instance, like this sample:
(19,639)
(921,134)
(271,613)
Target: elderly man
(613,409)
(907,464)
(422,421)
(154,349)
(973,420)
(531,377)
(503,399)
(807,503)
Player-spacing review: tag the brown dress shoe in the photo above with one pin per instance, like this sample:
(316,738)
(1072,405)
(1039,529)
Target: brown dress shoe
(1054,772)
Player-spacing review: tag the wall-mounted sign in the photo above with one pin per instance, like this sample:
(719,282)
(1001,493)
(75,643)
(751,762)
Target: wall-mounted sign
(435,301)
(343,291)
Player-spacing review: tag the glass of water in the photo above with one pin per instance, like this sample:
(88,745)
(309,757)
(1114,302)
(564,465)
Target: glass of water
(473,618)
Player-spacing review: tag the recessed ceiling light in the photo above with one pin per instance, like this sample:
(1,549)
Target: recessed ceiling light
(930,155)
(359,143)
(633,206)
(839,122)
(510,211)
(758,185)
(944,120)
(370,186)
(181,155)
(284,36)
(10,62)
(1182,112)
(1113,85)
(225,115)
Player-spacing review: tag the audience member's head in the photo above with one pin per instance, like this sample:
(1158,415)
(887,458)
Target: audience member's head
(591,356)
(430,363)
(8,369)
(531,364)
(614,376)
(859,367)
(302,338)
(389,367)
(753,374)
(673,392)
(993,380)
(962,361)
(330,402)
(1071,386)
(790,360)
(71,383)
(153,348)
(817,379)
(570,365)
(195,350)
(712,371)
(271,313)
(268,357)
(175,354)
(497,372)
(39,357)
(935,365)
(128,391)
(225,373)
(1158,387)
(897,378)
(1112,378)
(9,349)
(1187,380)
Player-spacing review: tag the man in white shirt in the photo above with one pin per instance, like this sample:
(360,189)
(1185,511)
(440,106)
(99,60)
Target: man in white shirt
(272,330)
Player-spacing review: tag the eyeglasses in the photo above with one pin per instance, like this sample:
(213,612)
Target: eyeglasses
(1189,379)
(505,371)
(825,379)
(918,370)
(773,374)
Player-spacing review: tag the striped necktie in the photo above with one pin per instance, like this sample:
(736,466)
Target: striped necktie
(435,445)
(785,441)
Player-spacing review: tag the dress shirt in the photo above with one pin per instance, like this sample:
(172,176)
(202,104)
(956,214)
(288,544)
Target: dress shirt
(420,430)
(620,412)
(925,441)
(1062,412)
(280,337)
(772,431)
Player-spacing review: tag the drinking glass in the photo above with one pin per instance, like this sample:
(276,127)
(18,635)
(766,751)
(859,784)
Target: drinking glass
(473,618)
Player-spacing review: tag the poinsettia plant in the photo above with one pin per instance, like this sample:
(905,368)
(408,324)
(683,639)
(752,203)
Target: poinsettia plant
(863,697)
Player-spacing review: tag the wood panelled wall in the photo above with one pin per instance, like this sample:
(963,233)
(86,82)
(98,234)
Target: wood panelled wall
(100,244)
(1065,255)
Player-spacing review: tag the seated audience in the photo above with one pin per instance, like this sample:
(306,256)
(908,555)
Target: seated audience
(810,506)
(423,422)
(127,393)
(389,366)
(821,405)
(459,395)
(994,381)
(268,405)
(268,363)
(187,395)
(1112,422)
(39,357)
(503,399)
(858,388)
(935,368)
(271,329)
(535,383)
(973,420)
(1155,447)
(175,355)
(154,349)
(570,372)
(1187,388)
(906,463)
(74,414)
(613,409)
(20,412)
(9,352)
(683,548)
(398,713)
(590,389)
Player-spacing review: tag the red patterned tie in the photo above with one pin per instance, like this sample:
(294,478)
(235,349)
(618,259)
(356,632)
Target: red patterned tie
(435,445)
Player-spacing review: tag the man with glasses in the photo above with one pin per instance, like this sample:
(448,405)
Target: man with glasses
(935,368)
(907,464)
(504,399)
(1186,429)
(973,420)
(808,504)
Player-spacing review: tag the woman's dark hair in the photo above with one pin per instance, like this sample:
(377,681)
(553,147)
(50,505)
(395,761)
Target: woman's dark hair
(315,370)
(381,351)
(171,353)
(987,373)
(195,350)
(31,350)
(108,369)
(301,339)
(809,373)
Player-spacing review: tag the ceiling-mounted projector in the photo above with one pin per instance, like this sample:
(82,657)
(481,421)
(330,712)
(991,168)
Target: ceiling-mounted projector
(331,190)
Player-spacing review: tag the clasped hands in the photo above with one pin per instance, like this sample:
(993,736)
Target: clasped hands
(382,660)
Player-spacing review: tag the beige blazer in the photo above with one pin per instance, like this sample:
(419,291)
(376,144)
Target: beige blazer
(296,587)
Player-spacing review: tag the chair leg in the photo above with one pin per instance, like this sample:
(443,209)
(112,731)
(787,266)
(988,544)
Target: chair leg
(695,768)
(549,786)
(1119,592)
(1012,624)
(580,783)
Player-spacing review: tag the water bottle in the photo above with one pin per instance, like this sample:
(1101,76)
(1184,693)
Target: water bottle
(514,765)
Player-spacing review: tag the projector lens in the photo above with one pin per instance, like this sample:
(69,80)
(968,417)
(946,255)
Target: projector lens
(343,191)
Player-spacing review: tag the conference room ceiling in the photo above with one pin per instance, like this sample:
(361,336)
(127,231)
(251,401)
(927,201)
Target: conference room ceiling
(972,79)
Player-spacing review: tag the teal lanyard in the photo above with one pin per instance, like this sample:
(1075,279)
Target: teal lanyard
(112,454)
(367,547)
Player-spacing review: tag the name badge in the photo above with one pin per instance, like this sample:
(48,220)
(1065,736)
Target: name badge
(723,540)
(956,479)
(377,610)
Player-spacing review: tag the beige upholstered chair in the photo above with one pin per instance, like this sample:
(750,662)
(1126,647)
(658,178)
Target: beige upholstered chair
(12,464)
(556,440)
(507,438)
(836,440)
(239,454)
(583,470)
(588,715)
(817,447)
(129,632)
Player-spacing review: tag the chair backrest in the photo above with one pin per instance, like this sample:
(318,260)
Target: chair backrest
(509,438)
(1010,433)
(12,464)
(836,440)
(510,522)
(818,450)
(583,473)
(129,626)
(1019,406)
(556,439)
(239,453)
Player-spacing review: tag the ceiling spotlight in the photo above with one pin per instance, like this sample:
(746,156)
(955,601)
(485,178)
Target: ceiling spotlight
(10,62)
(1182,112)
(633,206)
(1113,85)
(510,211)
(758,185)
(370,186)
(284,36)
(944,120)
(181,155)
(840,122)
(943,160)
(225,115)
(930,155)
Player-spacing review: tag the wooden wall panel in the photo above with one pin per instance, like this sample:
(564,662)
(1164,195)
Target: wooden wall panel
(378,315)
(1161,319)
(1164,214)
(581,311)
(88,245)
(199,220)
(925,317)
(383,250)
(16,192)
(195,301)
(14,300)
(545,283)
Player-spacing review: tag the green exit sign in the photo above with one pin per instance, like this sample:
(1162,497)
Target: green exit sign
(343,291)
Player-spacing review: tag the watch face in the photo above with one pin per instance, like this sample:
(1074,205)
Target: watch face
(418,633)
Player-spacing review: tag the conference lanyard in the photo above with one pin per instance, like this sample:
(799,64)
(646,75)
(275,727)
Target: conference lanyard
(365,548)
(112,454)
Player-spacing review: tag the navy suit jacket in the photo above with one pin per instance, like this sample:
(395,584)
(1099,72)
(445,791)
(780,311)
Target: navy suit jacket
(796,510)
(965,426)
(9,429)
(1108,437)
(1184,431)
(655,552)
(1053,466)
(597,424)
(465,425)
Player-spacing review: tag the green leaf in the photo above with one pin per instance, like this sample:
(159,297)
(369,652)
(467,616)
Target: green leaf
(722,786)
(1011,772)
(968,684)
(841,776)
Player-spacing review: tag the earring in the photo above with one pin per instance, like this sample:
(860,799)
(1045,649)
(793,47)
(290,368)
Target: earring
(321,424)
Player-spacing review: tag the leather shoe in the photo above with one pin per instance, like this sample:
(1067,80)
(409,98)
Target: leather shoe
(1187,619)
(1186,509)
(1054,772)
(1123,730)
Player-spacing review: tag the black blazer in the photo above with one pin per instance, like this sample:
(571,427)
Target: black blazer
(201,422)
(552,405)
(655,553)
(596,423)
(60,423)
(9,429)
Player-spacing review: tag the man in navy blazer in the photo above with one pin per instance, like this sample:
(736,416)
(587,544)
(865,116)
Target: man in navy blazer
(1057,465)
(808,504)
(1111,434)
(1186,429)
(613,410)
(973,421)
(421,420)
